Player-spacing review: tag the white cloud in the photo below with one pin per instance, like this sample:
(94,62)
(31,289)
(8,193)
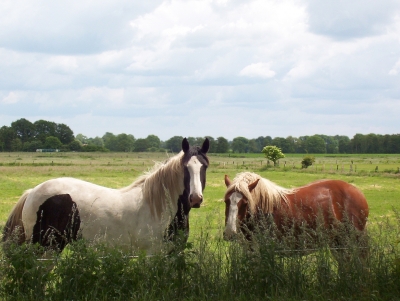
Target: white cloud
(165,67)
(396,68)
(12,97)
(258,70)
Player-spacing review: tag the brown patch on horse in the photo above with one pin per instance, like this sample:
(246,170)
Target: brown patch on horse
(57,223)
(14,224)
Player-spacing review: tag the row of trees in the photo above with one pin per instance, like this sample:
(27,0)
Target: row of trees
(152,143)
(23,135)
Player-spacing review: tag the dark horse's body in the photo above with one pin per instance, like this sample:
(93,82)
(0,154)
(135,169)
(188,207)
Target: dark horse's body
(326,203)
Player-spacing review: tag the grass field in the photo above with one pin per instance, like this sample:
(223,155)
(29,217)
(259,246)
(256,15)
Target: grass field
(213,269)
(20,171)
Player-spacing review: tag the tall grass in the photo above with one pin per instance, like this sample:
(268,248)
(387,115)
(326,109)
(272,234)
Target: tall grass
(211,269)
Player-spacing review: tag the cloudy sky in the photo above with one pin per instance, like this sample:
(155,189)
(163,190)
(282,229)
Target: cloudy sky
(211,67)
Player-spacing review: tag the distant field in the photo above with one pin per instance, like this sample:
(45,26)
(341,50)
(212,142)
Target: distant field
(381,186)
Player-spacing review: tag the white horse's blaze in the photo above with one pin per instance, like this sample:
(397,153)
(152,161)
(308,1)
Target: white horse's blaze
(231,223)
(196,190)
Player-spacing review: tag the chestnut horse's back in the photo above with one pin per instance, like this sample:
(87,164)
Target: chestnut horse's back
(344,200)
(352,201)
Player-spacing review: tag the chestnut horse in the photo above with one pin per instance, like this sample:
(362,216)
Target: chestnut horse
(327,203)
(141,216)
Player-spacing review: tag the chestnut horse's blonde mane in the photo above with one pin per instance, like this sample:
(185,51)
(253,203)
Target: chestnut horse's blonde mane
(162,184)
(265,196)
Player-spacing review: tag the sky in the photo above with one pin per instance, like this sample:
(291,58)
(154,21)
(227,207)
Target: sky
(214,68)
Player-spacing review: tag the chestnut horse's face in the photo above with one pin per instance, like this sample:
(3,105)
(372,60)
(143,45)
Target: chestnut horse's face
(235,212)
(236,209)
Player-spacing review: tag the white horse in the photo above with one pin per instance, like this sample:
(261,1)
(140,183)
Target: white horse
(135,217)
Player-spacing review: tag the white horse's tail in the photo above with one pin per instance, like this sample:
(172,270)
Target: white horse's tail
(14,227)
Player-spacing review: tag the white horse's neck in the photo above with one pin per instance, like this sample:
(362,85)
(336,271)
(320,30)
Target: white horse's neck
(161,187)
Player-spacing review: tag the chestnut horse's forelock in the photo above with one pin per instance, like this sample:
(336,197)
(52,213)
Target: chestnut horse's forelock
(265,196)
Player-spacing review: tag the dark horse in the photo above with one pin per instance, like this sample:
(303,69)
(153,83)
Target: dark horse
(327,203)
(179,227)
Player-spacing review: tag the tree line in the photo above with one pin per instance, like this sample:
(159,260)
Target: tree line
(24,135)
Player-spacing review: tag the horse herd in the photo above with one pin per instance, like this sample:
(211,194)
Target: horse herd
(153,209)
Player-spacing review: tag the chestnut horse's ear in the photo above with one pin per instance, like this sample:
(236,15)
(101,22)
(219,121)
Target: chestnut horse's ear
(227,181)
(253,185)
(185,145)
(206,146)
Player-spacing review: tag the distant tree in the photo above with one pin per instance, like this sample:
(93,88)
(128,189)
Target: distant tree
(153,141)
(290,144)
(110,141)
(391,144)
(7,135)
(52,142)
(82,139)
(359,144)
(240,145)
(174,144)
(301,147)
(64,133)
(222,145)
(374,144)
(97,141)
(32,146)
(75,146)
(315,145)
(191,140)
(125,143)
(273,153)
(16,145)
(44,129)
(344,146)
(141,145)
(284,144)
(24,129)
(253,146)
(331,144)
(263,141)
(213,143)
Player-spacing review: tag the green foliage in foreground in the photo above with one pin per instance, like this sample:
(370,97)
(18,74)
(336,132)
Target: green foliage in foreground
(209,269)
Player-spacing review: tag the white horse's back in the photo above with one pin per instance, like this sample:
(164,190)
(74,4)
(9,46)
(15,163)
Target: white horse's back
(104,212)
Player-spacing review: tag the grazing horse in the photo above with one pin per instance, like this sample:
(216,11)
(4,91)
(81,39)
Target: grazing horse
(135,217)
(251,199)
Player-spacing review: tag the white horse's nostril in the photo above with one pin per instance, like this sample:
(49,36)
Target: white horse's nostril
(195,200)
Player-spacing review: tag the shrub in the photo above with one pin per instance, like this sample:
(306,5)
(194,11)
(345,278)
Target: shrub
(307,161)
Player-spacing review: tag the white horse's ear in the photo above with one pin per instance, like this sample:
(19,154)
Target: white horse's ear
(253,185)
(185,145)
(227,181)
(206,146)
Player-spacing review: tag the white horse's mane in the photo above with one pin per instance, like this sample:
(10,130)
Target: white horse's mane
(159,184)
(265,196)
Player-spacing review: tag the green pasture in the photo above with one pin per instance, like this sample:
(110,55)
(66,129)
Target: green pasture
(376,175)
